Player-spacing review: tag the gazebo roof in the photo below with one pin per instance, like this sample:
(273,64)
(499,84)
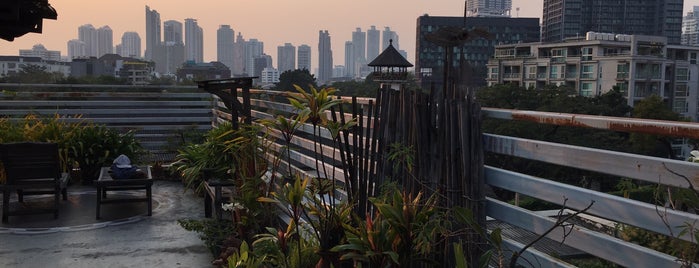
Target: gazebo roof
(390,57)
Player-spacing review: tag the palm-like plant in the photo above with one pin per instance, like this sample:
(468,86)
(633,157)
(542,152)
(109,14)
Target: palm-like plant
(403,232)
(287,127)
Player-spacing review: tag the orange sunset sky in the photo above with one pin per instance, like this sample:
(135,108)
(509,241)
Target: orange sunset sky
(273,22)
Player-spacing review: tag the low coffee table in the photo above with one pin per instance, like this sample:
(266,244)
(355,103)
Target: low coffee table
(106,183)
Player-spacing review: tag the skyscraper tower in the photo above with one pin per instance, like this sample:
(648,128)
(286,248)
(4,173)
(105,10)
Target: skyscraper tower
(359,46)
(253,49)
(373,39)
(76,49)
(224,45)
(690,27)
(488,8)
(349,60)
(389,35)
(194,41)
(131,45)
(105,41)
(172,31)
(152,32)
(286,57)
(88,34)
(304,57)
(574,18)
(325,57)
(239,63)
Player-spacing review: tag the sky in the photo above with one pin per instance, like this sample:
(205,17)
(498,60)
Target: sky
(273,22)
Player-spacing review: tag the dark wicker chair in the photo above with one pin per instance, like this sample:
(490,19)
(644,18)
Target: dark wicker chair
(31,168)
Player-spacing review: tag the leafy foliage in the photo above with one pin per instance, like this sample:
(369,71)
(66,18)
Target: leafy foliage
(288,80)
(81,145)
(653,107)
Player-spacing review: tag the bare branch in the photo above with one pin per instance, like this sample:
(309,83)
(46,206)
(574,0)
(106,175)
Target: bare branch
(560,221)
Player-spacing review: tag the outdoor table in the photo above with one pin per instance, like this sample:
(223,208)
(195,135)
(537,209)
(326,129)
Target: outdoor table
(106,183)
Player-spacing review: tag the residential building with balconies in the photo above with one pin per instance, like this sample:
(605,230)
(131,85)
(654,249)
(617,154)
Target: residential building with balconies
(639,65)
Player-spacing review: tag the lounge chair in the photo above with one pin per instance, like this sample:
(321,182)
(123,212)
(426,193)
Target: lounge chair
(31,168)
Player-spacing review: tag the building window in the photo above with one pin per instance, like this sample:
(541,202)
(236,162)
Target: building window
(680,105)
(681,90)
(693,58)
(586,89)
(531,72)
(586,53)
(623,87)
(682,74)
(554,72)
(494,71)
(622,71)
(587,71)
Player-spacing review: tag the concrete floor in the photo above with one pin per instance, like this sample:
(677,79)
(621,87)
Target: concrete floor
(125,237)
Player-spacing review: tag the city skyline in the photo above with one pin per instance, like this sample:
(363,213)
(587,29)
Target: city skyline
(274,23)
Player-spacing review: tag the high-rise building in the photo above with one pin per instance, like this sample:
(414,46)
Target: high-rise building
(690,28)
(388,36)
(194,41)
(269,76)
(88,34)
(76,49)
(224,45)
(105,41)
(373,40)
(253,49)
(325,57)
(239,59)
(130,45)
(304,58)
(429,56)
(349,59)
(153,36)
(574,18)
(339,71)
(286,57)
(488,8)
(40,51)
(260,63)
(172,31)
(359,46)
(169,57)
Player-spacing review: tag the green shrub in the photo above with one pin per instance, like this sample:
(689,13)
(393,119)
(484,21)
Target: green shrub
(81,145)
(93,146)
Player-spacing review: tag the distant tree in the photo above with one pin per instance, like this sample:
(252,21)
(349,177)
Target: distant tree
(653,107)
(366,88)
(34,74)
(302,78)
(163,80)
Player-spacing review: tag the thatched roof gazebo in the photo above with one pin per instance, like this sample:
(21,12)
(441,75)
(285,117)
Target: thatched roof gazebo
(390,66)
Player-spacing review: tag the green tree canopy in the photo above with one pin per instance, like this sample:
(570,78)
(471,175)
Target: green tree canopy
(302,78)
(34,74)
(653,107)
